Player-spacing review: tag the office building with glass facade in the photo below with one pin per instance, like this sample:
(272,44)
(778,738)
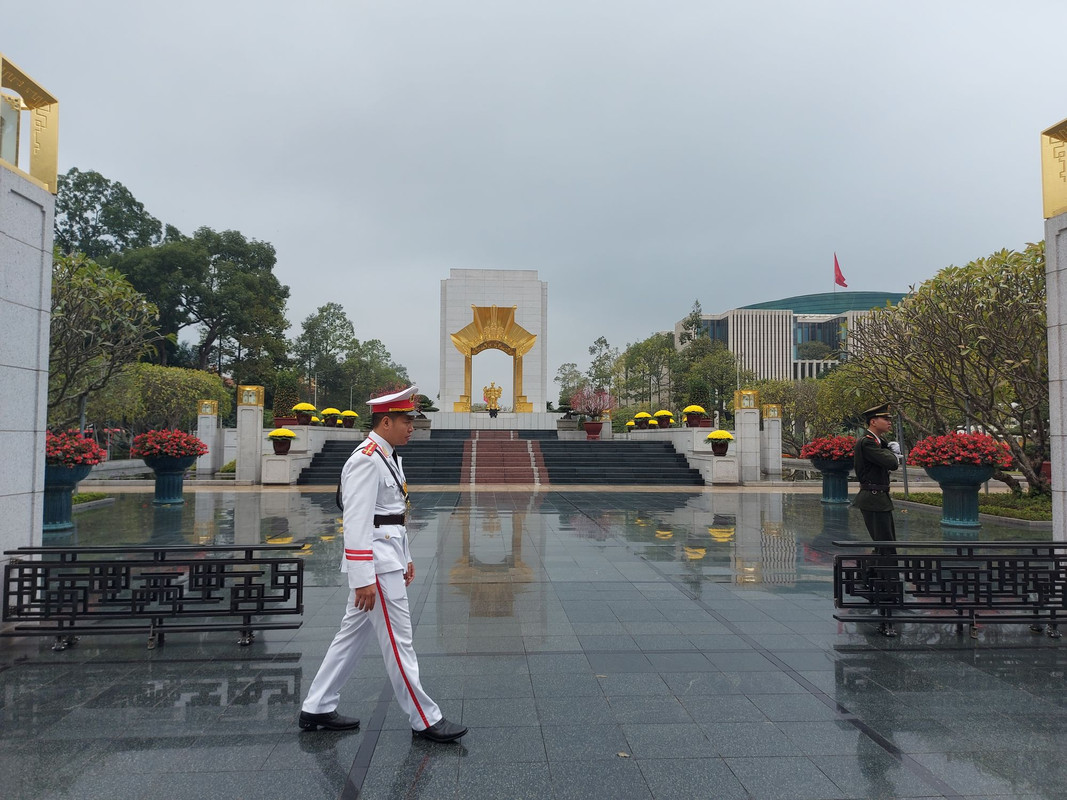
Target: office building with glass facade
(767,338)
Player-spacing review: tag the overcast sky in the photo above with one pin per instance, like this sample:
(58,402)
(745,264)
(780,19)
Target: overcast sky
(638,155)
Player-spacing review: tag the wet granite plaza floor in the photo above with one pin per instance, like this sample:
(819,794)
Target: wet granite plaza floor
(600,644)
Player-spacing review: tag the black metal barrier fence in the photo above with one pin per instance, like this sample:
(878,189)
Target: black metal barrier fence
(961,583)
(66,591)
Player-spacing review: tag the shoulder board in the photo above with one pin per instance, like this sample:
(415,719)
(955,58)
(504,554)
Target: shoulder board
(369,449)
(872,436)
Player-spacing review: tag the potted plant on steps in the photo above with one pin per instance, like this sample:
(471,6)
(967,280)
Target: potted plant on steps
(303,412)
(720,442)
(282,440)
(960,463)
(693,415)
(68,458)
(833,457)
(592,404)
(168,453)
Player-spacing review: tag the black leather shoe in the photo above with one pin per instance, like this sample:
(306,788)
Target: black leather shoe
(331,722)
(443,731)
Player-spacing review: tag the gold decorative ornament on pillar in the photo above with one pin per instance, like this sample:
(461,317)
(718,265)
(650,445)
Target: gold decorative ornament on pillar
(42,126)
(493,328)
(209,407)
(1054,169)
(250,395)
(746,398)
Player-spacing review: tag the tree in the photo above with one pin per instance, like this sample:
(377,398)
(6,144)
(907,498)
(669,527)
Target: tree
(368,368)
(285,394)
(712,369)
(692,325)
(325,339)
(570,380)
(168,275)
(813,351)
(969,347)
(99,217)
(222,284)
(601,370)
(650,368)
(147,396)
(99,324)
(240,295)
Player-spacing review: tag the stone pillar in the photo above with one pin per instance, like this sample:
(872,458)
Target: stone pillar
(204,526)
(748,538)
(207,431)
(250,436)
(747,444)
(246,516)
(771,446)
(26,218)
(1056,292)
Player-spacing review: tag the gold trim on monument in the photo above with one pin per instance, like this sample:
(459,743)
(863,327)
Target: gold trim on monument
(1054,169)
(249,395)
(43,126)
(494,328)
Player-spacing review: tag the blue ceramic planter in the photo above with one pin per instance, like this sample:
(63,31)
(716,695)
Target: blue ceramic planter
(834,479)
(59,485)
(959,492)
(170,478)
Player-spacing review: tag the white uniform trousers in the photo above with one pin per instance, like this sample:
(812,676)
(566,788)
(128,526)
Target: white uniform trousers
(390,621)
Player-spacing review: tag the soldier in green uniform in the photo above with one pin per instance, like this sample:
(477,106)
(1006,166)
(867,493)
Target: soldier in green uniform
(873,460)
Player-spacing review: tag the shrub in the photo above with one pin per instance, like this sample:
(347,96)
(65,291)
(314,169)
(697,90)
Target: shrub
(979,449)
(71,449)
(167,443)
(830,448)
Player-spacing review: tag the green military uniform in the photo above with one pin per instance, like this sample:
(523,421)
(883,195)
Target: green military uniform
(873,460)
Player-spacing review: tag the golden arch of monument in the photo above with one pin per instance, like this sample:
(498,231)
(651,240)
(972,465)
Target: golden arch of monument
(493,328)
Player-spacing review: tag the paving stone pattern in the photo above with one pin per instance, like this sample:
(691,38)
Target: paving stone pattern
(600,644)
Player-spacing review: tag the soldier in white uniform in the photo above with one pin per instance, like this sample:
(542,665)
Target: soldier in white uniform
(379,568)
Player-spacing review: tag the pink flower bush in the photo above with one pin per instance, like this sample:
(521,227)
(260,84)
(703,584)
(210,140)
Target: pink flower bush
(592,402)
(829,448)
(71,449)
(979,449)
(172,443)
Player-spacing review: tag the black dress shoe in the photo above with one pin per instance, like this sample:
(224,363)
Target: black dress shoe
(443,731)
(331,722)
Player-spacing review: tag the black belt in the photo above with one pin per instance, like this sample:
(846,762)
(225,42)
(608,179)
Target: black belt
(388,519)
(875,487)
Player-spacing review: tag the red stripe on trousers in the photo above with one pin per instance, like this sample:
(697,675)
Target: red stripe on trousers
(396,652)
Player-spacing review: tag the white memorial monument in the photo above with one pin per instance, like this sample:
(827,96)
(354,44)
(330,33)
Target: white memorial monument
(1054,185)
(494,309)
(27,203)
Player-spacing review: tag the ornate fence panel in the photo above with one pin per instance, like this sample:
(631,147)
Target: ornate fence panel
(65,591)
(965,583)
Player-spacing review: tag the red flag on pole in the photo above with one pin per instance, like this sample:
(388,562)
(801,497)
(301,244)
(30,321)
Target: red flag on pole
(839,279)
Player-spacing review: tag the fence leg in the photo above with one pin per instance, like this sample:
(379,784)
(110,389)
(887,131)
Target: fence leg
(63,642)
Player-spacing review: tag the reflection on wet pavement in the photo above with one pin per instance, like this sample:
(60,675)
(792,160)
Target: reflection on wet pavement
(600,644)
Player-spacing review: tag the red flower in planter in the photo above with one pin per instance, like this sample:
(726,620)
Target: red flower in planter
(71,449)
(172,443)
(978,449)
(829,448)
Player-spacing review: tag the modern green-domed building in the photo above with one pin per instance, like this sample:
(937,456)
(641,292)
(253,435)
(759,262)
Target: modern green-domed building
(768,337)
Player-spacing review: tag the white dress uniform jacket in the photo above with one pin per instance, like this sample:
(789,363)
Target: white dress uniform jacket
(373,483)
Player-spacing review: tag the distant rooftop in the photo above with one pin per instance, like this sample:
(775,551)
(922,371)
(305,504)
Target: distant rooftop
(830,302)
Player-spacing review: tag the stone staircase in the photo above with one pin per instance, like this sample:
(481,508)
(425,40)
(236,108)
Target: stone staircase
(520,457)
(502,457)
